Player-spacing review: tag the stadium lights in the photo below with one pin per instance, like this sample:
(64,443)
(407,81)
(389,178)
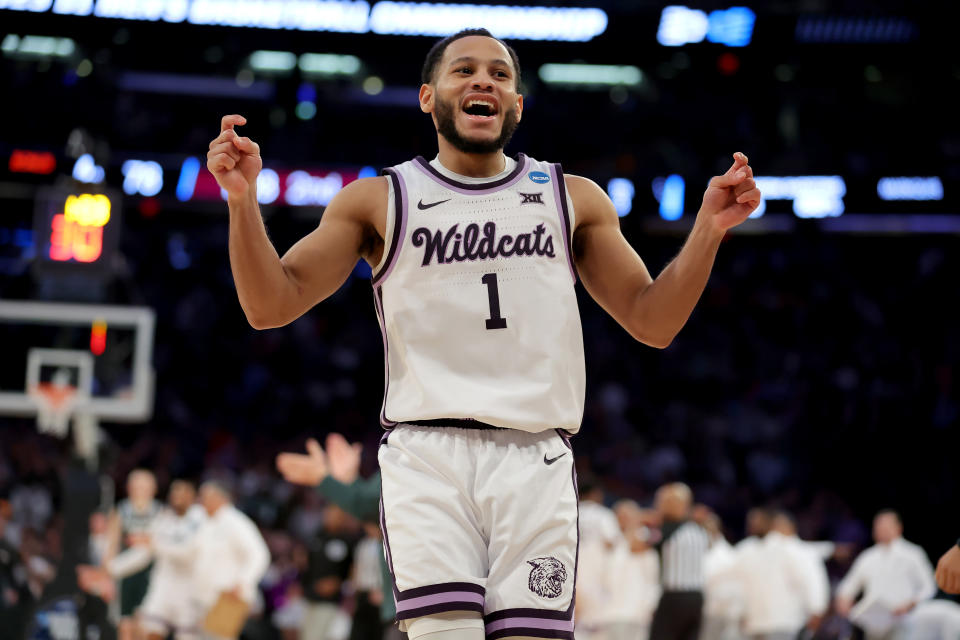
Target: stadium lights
(273,61)
(572,24)
(591,74)
(329,64)
(88,171)
(510,22)
(681,25)
(910,188)
(669,192)
(621,192)
(37,46)
(143,177)
(861,29)
(813,196)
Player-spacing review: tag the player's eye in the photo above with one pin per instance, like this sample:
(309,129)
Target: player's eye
(502,74)
(464,70)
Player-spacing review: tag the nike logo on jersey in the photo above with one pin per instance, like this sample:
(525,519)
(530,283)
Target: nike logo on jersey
(424,207)
(549,461)
(453,246)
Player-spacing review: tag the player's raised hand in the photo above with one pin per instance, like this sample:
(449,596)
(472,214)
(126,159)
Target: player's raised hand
(732,197)
(308,469)
(343,458)
(233,160)
(948,570)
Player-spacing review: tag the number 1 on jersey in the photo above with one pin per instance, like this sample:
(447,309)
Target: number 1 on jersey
(495,321)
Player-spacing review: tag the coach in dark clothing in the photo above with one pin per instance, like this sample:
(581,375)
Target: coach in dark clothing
(329,557)
(682,547)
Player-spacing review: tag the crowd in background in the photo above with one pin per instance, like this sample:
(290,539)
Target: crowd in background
(324,579)
(817,376)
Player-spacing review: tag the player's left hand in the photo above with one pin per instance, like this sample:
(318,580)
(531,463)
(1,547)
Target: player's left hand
(732,197)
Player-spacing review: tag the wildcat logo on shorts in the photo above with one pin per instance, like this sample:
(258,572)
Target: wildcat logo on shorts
(547,577)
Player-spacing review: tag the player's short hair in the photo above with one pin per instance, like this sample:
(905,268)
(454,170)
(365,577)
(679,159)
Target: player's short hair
(436,54)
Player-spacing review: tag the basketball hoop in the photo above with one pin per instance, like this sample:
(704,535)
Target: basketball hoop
(55,403)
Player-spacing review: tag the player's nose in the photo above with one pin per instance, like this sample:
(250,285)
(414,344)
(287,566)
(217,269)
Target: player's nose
(483,82)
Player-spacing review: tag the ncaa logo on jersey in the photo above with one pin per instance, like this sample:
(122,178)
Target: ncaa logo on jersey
(539,177)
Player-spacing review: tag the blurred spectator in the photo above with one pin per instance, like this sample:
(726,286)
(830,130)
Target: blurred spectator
(894,576)
(633,576)
(230,554)
(99,541)
(329,557)
(682,546)
(723,594)
(812,556)
(775,575)
(599,534)
(935,620)
(15,597)
(335,473)
(368,586)
(129,526)
(281,584)
(167,607)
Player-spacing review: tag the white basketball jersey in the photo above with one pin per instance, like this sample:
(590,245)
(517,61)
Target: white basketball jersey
(475,297)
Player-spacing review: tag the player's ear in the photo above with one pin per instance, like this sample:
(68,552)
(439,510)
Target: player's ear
(519,107)
(426,98)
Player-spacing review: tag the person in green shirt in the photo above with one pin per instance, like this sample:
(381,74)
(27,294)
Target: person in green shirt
(336,475)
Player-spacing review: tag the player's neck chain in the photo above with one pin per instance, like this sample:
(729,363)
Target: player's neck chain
(453,246)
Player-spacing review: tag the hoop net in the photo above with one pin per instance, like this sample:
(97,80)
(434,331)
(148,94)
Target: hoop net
(55,403)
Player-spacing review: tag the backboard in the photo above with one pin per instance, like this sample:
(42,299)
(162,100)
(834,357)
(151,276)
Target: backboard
(104,353)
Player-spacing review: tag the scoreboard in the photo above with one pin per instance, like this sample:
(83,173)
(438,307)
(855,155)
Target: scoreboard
(75,231)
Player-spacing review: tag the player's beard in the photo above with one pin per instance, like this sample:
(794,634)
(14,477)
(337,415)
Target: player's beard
(447,127)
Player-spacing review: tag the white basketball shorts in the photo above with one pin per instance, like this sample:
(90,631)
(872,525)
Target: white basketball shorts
(169,606)
(481,520)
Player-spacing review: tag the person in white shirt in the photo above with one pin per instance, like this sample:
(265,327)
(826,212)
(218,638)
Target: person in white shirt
(723,598)
(167,607)
(599,535)
(894,576)
(230,554)
(633,577)
(935,620)
(813,555)
(776,582)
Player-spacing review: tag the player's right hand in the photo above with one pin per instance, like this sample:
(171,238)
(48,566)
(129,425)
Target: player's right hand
(233,160)
(309,469)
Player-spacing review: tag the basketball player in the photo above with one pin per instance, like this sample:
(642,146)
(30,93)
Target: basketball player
(475,255)
(167,607)
(130,526)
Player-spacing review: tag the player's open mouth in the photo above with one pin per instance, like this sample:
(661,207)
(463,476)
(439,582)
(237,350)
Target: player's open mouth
(481,109)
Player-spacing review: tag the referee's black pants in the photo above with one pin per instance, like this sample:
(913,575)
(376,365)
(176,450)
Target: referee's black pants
(677,616)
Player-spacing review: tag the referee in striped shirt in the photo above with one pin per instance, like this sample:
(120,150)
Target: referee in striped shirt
(682,547)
